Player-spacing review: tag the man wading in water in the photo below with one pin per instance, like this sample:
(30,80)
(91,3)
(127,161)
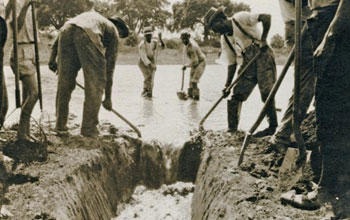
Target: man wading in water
(148,49)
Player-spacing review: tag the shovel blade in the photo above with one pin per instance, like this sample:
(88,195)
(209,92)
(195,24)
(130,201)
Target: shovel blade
(291,172)
(182,95)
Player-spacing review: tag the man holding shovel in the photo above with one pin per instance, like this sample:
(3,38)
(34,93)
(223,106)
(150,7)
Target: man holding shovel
(88,41)
(148,49)
(243,26)
(197,63)
(26,65)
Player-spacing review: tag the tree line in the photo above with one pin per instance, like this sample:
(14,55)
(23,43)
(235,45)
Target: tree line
(138,13)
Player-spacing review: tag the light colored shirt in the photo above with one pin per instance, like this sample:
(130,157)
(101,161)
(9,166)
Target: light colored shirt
(249,22)
(148,51)
(25,34)
(288,11)
(100,30)
(315,4)
(194,53)
(227,56)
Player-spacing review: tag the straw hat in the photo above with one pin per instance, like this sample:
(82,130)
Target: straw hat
(211,15)
(147,31)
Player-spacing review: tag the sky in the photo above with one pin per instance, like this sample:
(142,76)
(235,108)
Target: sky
(264,6)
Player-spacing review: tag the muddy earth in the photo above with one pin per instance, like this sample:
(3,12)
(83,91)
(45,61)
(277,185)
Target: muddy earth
(118,176)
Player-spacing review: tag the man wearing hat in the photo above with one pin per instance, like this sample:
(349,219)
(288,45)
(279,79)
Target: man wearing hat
(88,41)
(243,26)
(197,63)
(148,49)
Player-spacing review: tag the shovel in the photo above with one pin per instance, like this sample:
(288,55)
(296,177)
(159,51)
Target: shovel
(181,94)
(295,160)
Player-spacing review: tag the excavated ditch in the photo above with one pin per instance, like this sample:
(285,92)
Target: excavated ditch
(86,178)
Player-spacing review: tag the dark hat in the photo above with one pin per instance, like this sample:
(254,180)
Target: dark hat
(185,34)
(122,27)
(211,15)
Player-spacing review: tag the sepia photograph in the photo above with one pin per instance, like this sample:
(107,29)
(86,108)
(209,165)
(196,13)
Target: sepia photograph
(175,109)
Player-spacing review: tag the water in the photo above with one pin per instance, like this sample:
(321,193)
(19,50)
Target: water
(165,117)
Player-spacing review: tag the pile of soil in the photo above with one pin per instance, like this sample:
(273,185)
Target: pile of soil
(253,190)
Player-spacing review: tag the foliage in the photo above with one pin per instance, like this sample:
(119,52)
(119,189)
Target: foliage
(188,14)
(131,40)
(277,41)
(56,12)
(173,44)
(137,13)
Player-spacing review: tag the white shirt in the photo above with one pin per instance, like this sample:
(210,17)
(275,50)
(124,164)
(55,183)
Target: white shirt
(227,56)
(249,22)
(288,11)
(148,51)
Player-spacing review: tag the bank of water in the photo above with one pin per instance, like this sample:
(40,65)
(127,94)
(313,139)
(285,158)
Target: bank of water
(164,117)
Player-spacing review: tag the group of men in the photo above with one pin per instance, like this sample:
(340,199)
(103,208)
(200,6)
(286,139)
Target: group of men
(89,41)
(148,50)
(325,73)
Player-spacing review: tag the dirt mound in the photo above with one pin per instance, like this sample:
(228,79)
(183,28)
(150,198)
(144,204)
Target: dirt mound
(252,191)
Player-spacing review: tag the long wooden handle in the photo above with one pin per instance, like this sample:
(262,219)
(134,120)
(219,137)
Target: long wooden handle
(37,58)
(15,53)
(120,116)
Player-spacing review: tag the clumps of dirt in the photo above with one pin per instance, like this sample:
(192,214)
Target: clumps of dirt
(308,130)
(251,191)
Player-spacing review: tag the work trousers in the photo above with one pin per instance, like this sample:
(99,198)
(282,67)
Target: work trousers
(76,51)
(148,75)
(196,73)
(261,72)
(316,28)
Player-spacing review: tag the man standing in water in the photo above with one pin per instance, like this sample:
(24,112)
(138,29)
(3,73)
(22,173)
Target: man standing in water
(26,65)
(243,26)
(197,64)
(148,49)
(88,41)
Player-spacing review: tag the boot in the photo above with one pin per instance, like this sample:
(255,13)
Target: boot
(190,92)
(144,92)
(233,114)
(272,119)
(196,94)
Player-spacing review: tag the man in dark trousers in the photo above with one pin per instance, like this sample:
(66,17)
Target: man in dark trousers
(332,95)
(88,41)
(243,26)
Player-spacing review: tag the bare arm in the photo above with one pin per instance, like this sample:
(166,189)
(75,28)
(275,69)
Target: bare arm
(265,19)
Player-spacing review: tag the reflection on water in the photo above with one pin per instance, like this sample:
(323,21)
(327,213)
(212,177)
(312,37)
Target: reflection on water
(164,117)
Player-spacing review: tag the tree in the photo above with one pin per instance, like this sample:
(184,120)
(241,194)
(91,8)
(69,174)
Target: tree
(56,12)
(137,13)
(277,41)
(188,14)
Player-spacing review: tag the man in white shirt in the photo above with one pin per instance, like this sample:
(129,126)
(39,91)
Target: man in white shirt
(243,26)
(148,49)
(197,63)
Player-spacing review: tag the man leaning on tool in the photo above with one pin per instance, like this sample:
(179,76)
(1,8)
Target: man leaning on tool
(197,63)
(243,26)
(88,41)
(26,65)
(148,49)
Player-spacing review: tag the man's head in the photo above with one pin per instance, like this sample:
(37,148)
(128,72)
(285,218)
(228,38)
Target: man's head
(215,19)
(148,33)
(122,27)
(185,37)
